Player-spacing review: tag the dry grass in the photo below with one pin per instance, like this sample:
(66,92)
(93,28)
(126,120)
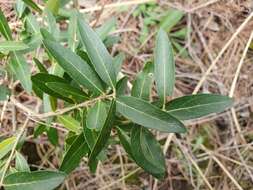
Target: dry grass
(216,153)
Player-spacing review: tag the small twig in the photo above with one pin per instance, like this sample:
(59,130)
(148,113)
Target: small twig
(57,112)
(115,5)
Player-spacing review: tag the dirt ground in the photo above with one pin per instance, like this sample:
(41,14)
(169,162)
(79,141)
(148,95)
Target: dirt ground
(216,153)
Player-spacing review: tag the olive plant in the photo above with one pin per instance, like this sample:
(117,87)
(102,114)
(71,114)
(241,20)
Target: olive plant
(97,99)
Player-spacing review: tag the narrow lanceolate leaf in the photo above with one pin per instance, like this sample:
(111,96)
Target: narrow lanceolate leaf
(147,152)
(33,5)
(79,70)
(20,69)
(117,62)
(41,80)
(4,27)
(20,163)
(164,66)
(68,91)
(143,82)
(104,134)
(100,57)
(96,116)
(125,141)
(4,93)
(147,115)
(75,153)
(6,146)
(195,106)
(12,46)
(70,123)
(39,180)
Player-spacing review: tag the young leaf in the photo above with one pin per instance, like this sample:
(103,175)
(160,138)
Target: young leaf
(40,66)
(106,28)
(53,6)
(104,134)
(33,5)
(164,66)
(143,113)
(100,57)
(4,27)
(12,46)
(171,19)
(143,82)
(79,70)
(41,80)
(39,180)
(73,156)
(147,152)
(4,93)
(20,69)
(195,106)
(96,116)
(21,164)
(52,135)
(69,123)
(68,91)
(6,146)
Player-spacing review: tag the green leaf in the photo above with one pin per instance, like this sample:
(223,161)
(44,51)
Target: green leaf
(39,180)
(6,146)
(104,134)
(40,66)
(121,86)
(20,8)
(75,153)
(144,113)
(69,123)
(100,57)
(12,46)
(4,27)
(68,91)
(106,28)
(195,106)
(79,70)
(4,93)
(52,135)
(143,82)
(172,18)
(72,31)
(164,66)
(53,6)
(20,163)
(52,24)
(96,116)
(118,60)
(41,80)
(125,141)
(20,69)
(32,24)
(147,152)
(33,5)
